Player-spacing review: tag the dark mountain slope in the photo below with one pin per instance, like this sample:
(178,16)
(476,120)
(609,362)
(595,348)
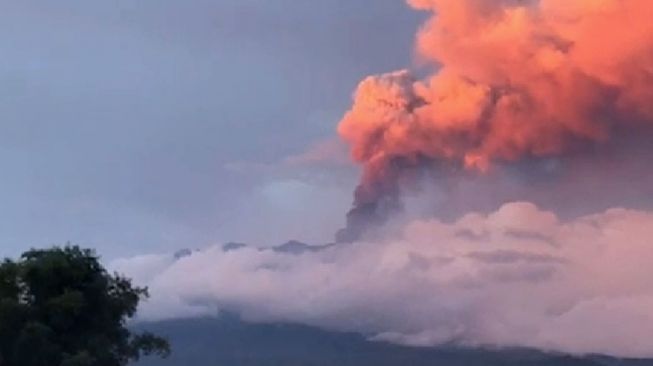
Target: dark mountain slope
(229,342)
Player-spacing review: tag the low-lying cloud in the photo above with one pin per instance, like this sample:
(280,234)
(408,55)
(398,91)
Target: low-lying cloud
(518,276)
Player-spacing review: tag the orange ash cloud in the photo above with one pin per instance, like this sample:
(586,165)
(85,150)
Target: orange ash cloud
(514,79)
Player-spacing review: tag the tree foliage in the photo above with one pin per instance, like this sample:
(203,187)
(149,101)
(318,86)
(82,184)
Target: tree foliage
(60,307)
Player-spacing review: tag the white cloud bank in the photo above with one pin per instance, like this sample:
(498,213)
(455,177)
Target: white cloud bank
(516,277)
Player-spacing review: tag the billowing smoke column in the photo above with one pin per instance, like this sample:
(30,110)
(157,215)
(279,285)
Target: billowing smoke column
(515,79)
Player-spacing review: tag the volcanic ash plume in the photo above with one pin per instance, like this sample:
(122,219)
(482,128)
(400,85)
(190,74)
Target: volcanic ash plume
(514,79)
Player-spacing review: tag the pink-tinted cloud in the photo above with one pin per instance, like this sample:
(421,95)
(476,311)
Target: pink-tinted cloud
(518,276)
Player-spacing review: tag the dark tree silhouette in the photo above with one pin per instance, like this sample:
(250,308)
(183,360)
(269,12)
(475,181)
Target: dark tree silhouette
(60,307)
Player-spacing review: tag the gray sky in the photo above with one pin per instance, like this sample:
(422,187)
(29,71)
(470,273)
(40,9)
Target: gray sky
(133,126)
